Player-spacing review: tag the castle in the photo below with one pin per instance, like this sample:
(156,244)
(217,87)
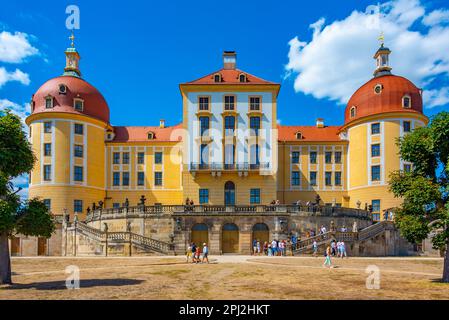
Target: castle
(228,153)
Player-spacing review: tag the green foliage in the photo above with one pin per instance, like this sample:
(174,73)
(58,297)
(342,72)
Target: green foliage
(16,156)
(34,219)
(424,191)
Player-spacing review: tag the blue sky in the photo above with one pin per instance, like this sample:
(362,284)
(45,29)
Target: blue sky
(137,52)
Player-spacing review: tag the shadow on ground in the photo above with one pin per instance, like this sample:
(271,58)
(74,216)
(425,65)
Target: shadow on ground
(88,283)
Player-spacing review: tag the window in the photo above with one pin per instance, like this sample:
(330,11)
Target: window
(78,206)
(141,157)
(78,104)
(375,205)
(298,135)
(406,102)
(337,177)
(295,157)
(116,205)
(375,150)
(230,154)
(78,151)
(158,157)
(254,124)
(204,156)
(353,112)
(337,156)
(313,155)
(140,178)
(328,178)
(229,125)
(378,88)
(375,173)
(406,126)
(49,102)
(375,128)
(217,78)
(407,167)
(125,178)
(242,78)
(254,103)
(150,135)
(296,180)
(47,172)
(47,149)
(47,127)
(203,103)
(158,178)
(254,153)
(78,173)
(62,89)
(116,178)
(204,196)
(254,197)
(79,128)
(125,158)
(116,158)
(313,178)
(328,157)
(229,102)
(204,125)
(47,203)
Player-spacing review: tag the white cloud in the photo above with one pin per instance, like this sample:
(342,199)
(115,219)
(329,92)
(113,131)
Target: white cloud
(17,75)
(436,17)
(21,182)
(14,48)
(22,111)
(437,97)
(338,59)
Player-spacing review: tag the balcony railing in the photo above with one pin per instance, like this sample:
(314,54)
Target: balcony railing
(228,166)
(283,210)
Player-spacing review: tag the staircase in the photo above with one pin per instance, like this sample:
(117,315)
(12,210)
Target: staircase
(144,243)
(325,238)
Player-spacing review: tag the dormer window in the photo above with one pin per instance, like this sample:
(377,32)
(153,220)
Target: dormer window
(62,89)
(48,102)
(242,77)
(217,77)
(378,89)
(110,135)
(353,111)
(407,102)
(298,135)
(150,135)
(78,104)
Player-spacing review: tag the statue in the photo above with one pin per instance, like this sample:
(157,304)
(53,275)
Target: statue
(126,203)
(94,206)
(332,227)
(105,227)
(359,203)
(354,227)
(317,199)
(100,204)
(88,210)
(128,226)
(366,206)
(142,200)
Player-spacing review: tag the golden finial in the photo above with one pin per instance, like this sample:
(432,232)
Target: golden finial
(381,38)
(72,38)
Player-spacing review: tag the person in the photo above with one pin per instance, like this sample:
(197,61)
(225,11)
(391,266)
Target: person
(323,229)
(343,249)
(277,202)
(193,252)
(189,252)
(315,248)
(205,253)
(258,250)
(274,246)
(338,248)
(282,248)
(197,254)
(265,248)
(191,203)
(254,247)
(333,248)
(294,240)
(327,260)
(187,201)
(270,251)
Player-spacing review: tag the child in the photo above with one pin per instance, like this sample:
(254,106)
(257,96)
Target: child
(270,251)
(327,260)
(197,254)
(315,248)
(189,253)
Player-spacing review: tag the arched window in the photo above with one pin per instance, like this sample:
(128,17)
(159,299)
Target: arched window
(78,104)
(353,111)
(242,77)
(48,102)
(217,77)
(298,135)
(230,227)
(150,135)
(200,227)
(260,227)
(406,102)
(229,193)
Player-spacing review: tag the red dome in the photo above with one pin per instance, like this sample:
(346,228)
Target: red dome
(393,90)
(94,104)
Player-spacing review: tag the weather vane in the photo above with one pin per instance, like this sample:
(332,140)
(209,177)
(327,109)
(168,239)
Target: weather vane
(72,38)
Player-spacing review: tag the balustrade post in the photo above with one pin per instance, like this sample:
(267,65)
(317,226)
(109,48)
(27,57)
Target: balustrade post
(106,242)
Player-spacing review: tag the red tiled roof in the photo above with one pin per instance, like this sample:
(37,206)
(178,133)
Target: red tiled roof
(139,134)
(230,76)
(394,88)
(309,133)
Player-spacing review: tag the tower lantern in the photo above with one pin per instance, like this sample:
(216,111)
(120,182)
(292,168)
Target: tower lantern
(72,60)
(382,59)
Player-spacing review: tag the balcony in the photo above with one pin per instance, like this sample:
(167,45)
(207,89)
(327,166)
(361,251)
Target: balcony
(228,167)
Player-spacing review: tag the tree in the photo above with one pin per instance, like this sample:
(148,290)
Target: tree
(424,190)
(31,217)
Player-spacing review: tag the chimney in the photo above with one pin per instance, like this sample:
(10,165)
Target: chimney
(229,59)
(162,123)
(320,123)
